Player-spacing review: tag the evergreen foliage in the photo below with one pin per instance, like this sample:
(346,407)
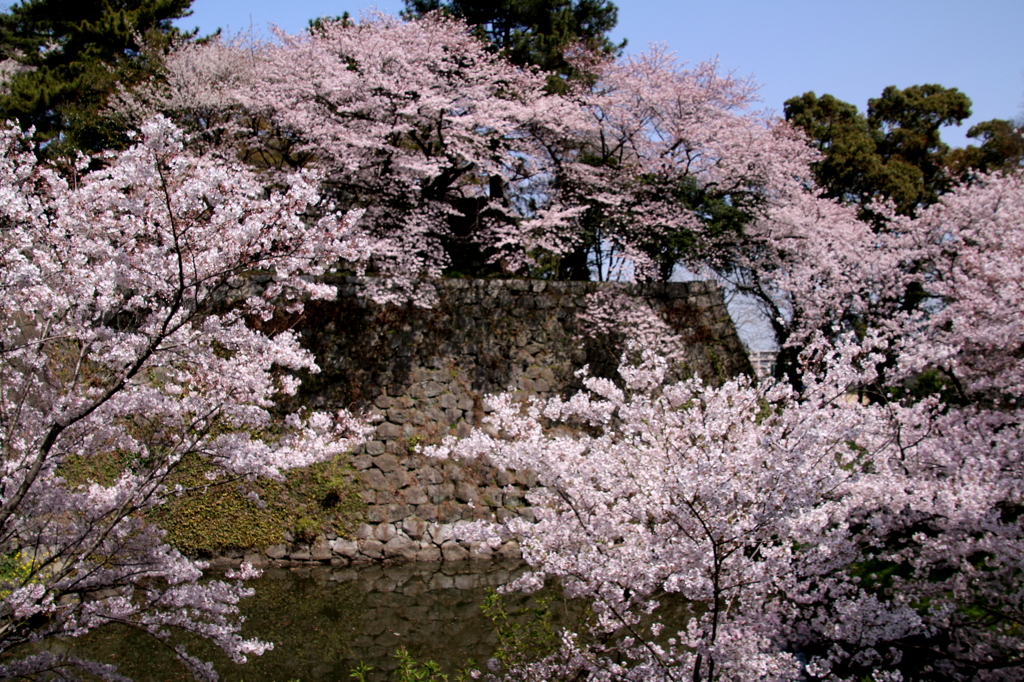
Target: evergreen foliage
(537,32)
(895,151)
(62,60)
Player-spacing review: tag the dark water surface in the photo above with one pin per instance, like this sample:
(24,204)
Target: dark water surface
(325,621)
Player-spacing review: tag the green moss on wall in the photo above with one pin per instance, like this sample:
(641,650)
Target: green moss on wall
(312,501)
(216,516)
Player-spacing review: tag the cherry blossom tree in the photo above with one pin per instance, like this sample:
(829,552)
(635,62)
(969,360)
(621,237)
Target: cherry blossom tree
(464,162)
(674,163)
(773,531)
(417,123)
(125,297)
(675,492)
(744,531)
(968,257)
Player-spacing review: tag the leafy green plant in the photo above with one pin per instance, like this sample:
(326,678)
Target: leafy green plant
(15,570)
(410,670)
(525,634)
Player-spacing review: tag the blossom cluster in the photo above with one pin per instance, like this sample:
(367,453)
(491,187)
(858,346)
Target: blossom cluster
(863,522)
(126,337)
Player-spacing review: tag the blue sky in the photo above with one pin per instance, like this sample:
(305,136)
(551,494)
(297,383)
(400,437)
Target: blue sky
(849,49)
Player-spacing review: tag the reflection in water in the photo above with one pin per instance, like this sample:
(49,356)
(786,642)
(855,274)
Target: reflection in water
(325,621)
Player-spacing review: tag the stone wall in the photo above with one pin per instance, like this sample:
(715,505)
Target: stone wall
(425,373)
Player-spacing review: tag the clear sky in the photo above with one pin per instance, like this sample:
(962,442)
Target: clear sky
(849,49)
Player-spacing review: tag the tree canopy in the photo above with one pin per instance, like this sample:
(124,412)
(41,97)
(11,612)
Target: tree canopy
(510,177)
(1001,149)
(62,59)
(893,152)
(537,32)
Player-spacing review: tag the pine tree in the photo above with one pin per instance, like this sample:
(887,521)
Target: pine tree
(63,58)
(536,32)
(894,152)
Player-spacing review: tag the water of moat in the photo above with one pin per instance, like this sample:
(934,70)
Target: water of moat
(326,621)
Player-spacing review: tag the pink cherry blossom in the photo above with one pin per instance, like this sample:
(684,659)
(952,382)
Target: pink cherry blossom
(124,301)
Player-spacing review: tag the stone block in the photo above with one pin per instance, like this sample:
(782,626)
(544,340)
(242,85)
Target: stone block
(467,492)
(345,548)
(362,462)
(375,480)
(492,496)
(426,511)
(432,389)
(527,514)
(397,415)
(439,533)
(384,532)
(320,551)
(401,547)
(398,511)
(364,531)
(428,554)
(527,478)
(372,549)
(414,527)
(429,475)
(386,463)
(477,513)
(453,552)
(448,512)
(256,560)
(453,471)
(277,551)
(389,431)
(217,562)
(416,495)
(398,478)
